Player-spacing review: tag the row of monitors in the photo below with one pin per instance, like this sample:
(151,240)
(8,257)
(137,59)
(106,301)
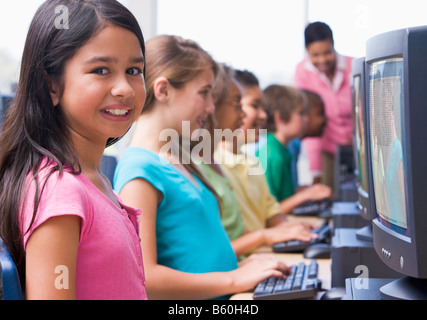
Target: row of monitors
(5,102)
(389,92)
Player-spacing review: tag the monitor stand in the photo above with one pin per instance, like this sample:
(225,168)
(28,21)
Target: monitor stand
(406,288)
(347,215)
(348,252)
(356,289)
(365,234)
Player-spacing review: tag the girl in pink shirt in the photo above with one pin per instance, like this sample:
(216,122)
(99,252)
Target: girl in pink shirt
(81,87)
(327,73)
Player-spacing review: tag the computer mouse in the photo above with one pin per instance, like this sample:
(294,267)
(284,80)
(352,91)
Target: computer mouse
(318,251)
(334,294)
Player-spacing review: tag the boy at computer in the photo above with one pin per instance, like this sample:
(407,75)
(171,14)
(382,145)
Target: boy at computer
(286,120)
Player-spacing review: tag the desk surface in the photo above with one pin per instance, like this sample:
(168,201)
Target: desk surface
(295,258)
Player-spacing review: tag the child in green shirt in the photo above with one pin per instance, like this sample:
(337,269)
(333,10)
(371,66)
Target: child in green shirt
(286,120)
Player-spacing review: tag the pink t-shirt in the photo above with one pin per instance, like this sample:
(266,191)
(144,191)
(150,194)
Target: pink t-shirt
(336,96)
(109,261)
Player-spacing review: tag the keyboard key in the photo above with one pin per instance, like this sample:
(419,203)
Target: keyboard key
(310,284)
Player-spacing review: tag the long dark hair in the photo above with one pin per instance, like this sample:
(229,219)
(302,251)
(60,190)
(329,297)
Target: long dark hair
(33,128)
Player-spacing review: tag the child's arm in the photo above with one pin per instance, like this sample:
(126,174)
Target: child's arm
(269,236)
(51,258)
(312,193)
(165,283)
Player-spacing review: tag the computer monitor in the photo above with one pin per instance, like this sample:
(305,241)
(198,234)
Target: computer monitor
(361,147)
(5,102)
(396,66)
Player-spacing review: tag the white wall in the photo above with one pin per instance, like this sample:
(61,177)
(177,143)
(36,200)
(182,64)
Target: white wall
(354,22)
(265,37)
(145,12)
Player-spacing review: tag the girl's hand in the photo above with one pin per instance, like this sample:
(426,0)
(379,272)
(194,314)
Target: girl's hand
(291,232)
(317,192)
(253,271)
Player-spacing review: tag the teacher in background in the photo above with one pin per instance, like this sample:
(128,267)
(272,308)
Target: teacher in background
(327,73)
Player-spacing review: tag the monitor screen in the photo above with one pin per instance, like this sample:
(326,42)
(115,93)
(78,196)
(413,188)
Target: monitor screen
(359,133)
(386,94)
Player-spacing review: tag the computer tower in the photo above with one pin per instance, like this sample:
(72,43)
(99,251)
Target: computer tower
(349,254)
(345,181)
(364,288)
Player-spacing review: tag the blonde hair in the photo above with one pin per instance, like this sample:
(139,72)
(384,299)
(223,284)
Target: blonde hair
(284,99)
(179,60)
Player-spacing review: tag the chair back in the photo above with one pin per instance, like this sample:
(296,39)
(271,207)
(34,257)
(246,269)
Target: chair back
(10,285)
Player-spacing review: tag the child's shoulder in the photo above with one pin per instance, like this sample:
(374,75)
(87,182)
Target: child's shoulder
(55,182)
(141,157)
(137,162)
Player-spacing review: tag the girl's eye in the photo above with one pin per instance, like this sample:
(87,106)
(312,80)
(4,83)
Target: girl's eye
(100,71)
(205,93)
(134,71)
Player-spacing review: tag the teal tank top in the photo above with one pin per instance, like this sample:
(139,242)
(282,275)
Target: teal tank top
(190,235)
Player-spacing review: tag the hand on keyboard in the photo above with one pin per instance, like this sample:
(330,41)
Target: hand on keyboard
(312,208)
(302,283)
(286,233)
(252,270)
(317,192)
(323,232)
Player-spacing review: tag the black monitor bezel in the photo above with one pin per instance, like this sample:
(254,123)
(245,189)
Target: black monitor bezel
(407,255)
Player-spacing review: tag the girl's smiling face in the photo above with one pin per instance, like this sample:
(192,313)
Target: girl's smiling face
(193,102)
(103,86)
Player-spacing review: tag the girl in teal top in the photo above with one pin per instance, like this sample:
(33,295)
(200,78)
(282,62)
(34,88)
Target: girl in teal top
(189,233)
(187,254)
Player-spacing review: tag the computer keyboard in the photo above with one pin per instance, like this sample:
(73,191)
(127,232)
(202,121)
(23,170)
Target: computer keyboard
(323,233)
(312,208)
(302,283)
